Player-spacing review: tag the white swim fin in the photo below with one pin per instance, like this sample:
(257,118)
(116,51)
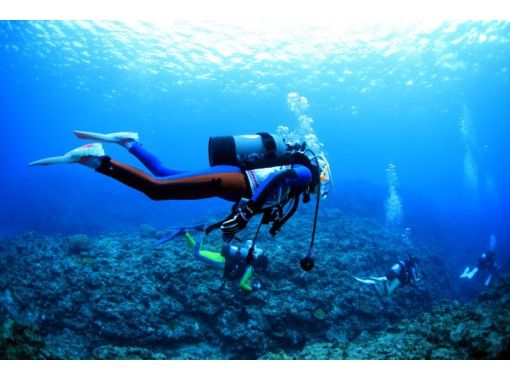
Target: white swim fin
(76,155)
(465,273)
(379,279)
(117,137)
(364,281)
(472,273)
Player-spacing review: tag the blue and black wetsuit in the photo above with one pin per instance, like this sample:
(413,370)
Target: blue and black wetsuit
(224,181)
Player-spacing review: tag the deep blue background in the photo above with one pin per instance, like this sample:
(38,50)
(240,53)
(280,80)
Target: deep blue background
(378,95)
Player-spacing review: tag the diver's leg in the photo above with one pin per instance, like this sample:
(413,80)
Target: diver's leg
(131,142)
(392,286)
(244,283)
(214,259)
(226,182)
(191,242)
(151,162)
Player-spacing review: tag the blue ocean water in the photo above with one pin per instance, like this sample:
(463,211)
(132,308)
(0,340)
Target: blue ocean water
(430,98)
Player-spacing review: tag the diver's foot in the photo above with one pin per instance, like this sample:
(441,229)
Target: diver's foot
(89,154)
(126,139)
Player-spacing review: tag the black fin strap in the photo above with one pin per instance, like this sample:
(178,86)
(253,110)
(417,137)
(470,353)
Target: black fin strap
(269,145)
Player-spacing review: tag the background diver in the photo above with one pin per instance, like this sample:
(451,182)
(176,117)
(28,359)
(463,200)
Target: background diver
(486,263)
(402,273)
(232,259)
(260,173)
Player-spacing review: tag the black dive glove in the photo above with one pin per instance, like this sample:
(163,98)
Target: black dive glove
(237,223)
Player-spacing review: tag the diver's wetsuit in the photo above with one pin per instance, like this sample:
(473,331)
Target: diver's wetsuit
(223,181)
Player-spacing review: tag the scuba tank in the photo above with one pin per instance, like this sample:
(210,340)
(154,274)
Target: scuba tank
(243,150)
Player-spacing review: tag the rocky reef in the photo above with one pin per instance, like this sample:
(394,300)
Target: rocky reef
(119,296)
(476,330)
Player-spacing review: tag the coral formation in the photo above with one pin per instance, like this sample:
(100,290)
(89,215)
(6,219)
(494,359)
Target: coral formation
(476,330)
(19,341)
(120,296)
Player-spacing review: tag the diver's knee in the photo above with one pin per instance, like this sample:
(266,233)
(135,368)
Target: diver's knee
(154,195)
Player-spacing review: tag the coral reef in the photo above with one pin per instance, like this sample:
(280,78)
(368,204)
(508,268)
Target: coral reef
(476,330)
(119,296)
(77,244)
(18,341)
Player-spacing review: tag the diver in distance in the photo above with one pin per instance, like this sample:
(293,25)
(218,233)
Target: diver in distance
(402,273)
(486,263)
(232,258)
(261,174)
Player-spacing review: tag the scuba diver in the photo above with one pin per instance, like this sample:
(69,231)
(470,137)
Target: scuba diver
(261,174)
(404,272)
(232,259)
(486,262)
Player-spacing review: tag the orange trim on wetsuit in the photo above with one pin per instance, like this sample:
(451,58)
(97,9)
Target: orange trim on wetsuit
(230,186)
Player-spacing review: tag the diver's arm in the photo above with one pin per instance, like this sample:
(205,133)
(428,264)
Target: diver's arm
(416,276)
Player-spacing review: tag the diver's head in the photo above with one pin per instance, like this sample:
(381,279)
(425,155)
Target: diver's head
(324,171)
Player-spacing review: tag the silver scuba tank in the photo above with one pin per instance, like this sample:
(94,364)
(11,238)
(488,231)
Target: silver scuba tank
(245,149)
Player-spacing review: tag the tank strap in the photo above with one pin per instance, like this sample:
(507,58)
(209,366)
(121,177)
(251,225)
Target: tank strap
(269,145)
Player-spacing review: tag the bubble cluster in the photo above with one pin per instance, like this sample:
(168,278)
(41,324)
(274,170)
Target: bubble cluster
(303,132)
(394,214)
(297,104)
(471,178)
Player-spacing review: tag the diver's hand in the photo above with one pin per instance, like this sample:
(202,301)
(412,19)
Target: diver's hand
(235,224)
